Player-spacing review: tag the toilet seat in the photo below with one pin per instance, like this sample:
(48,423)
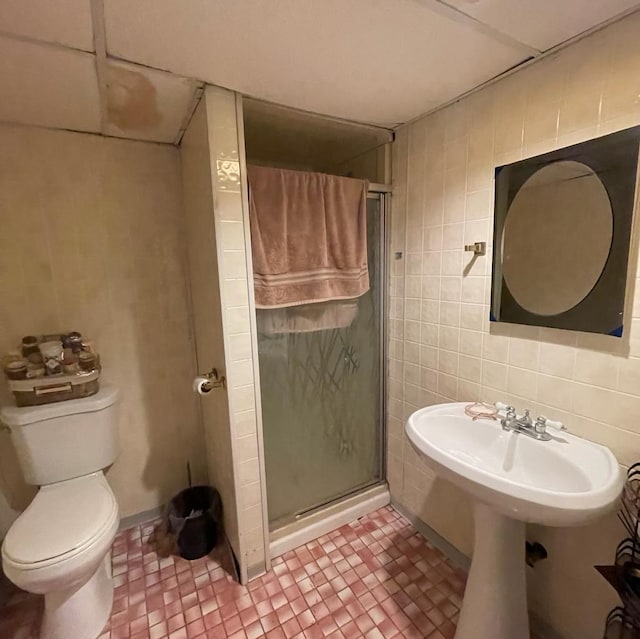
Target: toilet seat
(63,521)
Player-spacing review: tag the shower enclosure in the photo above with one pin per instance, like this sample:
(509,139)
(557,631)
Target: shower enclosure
(318,437)
(322,400)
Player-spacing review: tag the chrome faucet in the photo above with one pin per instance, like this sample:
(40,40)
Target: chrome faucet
(525,425)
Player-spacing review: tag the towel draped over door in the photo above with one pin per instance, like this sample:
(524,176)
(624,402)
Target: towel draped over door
(308,237)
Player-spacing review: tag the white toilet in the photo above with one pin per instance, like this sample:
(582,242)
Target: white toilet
(59,547)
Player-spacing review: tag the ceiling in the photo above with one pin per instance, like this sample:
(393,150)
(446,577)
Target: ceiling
(134,69)
(54,72)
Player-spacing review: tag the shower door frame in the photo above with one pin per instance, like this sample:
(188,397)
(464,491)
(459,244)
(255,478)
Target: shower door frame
(382,193)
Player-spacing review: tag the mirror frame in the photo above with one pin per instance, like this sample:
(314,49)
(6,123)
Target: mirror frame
(614,159)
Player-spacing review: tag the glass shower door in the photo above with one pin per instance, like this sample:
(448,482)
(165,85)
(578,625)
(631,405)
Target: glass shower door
(322,400)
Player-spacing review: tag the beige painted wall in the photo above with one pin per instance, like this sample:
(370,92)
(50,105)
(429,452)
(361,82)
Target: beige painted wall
(92,239)
(442,347)
(372,165)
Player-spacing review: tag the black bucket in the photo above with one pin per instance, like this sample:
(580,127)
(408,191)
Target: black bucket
(194,517)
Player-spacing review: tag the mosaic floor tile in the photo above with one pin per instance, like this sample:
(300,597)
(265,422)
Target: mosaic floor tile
(376,578)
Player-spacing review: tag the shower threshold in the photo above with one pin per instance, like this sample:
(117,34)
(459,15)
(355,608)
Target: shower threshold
(316,522)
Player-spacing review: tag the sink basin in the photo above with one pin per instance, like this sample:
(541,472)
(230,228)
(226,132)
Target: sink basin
(566,481)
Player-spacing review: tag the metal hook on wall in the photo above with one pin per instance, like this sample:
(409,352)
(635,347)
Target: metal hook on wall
(478,248)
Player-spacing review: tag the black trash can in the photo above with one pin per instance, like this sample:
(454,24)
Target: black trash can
(195,519)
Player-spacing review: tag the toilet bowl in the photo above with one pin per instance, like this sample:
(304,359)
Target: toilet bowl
(60,548)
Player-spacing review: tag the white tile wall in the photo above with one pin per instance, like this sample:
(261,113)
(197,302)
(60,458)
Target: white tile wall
(231,233)
(202,243)
(442,347)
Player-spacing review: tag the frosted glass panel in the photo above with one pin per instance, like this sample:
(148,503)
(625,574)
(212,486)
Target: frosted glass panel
(321,401)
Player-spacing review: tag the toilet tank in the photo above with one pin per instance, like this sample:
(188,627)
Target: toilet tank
(64,440)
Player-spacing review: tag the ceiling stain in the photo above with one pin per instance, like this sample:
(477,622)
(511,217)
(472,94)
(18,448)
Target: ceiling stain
(131,99)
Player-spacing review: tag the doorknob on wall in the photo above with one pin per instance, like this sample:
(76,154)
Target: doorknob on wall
(204,384)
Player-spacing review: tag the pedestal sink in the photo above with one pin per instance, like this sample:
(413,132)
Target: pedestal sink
(567,481)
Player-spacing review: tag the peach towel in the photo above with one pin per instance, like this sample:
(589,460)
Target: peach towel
(308,237)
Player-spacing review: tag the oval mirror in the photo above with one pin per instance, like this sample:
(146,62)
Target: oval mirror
(557,236)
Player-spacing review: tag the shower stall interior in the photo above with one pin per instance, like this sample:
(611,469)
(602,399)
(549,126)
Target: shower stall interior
(322,392)
(322,410)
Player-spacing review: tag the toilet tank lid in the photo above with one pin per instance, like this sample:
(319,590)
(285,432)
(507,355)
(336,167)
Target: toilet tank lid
(21,416)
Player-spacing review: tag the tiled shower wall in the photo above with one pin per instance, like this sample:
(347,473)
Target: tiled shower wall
(443,347)
(237,317)
(197,192)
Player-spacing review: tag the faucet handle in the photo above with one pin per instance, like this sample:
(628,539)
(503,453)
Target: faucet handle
(509,414)
(505,407)
(542,423)
(555,424)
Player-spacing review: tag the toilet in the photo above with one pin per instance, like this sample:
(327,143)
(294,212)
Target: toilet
(60,545)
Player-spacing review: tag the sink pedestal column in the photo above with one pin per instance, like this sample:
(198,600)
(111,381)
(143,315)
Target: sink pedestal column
(495,598)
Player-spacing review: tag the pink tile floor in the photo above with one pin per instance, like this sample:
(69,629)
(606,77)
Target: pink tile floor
(375,578)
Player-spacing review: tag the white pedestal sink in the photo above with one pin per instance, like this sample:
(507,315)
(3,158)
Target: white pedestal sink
(567,481)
